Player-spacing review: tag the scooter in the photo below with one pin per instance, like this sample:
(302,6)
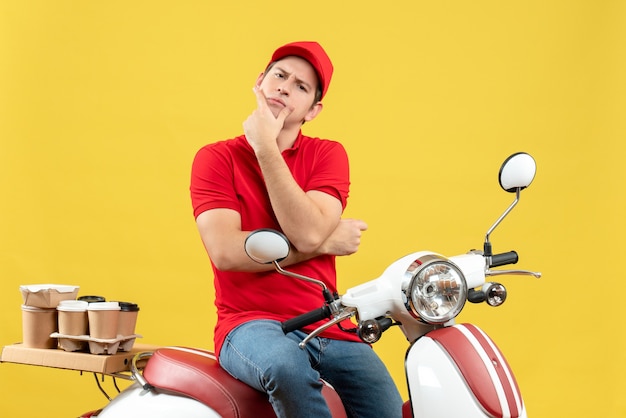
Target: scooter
(452,370)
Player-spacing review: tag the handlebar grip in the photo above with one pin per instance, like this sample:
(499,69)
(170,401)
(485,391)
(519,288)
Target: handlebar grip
(503,259)
(305,319)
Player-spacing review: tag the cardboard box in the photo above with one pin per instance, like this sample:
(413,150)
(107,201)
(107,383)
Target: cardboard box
(62,359)
(47,295)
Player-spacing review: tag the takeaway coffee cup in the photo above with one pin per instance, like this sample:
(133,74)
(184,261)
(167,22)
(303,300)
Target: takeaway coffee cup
(73,317)
(103,319)
(37,325)
(91,299)
(128,318)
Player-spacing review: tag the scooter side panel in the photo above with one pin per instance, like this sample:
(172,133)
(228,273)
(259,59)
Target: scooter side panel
(459,370)
(435,386)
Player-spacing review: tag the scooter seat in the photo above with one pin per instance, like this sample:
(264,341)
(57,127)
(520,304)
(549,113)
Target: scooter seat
(197,374)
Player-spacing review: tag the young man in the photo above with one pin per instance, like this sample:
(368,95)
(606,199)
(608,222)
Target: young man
(273,176)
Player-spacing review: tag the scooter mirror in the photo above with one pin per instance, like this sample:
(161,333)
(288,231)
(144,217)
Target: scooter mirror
(517,172)
(266,246)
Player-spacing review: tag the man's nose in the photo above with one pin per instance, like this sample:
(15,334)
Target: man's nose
(284,87)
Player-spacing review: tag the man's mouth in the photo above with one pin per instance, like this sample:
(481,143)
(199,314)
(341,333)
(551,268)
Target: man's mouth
(272,100)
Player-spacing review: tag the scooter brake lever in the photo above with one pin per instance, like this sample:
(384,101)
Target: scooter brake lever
(342,316)
(513,273)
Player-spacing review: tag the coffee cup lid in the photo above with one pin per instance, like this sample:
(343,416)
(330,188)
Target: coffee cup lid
(92,298)
(104,306)
(72,306)
(128,307)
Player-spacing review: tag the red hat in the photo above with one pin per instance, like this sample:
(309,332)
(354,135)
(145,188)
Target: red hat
(314,54)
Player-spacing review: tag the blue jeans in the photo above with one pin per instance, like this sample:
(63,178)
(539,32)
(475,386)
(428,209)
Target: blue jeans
(261,355)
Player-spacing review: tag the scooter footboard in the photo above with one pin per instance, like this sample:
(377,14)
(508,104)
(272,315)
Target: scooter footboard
(459,371)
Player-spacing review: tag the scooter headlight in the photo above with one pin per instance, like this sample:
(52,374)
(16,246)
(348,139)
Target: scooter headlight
(437,290)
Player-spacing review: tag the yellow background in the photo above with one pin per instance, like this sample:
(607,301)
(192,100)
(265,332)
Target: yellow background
(104,103)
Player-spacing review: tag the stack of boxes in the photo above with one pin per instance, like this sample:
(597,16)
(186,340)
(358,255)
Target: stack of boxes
(39,312)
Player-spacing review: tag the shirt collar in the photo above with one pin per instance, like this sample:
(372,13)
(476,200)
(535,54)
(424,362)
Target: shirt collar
(296,143)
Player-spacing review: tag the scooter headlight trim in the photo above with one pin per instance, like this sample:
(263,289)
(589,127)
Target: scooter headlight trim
(437,290)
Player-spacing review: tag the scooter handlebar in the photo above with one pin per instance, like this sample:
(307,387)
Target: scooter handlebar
(504,259)
(305,319)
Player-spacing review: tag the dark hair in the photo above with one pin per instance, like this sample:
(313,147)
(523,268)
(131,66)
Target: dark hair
(318,90)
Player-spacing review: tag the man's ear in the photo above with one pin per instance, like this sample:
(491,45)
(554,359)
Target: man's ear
(259,79)
(313,111)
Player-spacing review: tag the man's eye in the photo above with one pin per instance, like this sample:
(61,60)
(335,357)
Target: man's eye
(302,87)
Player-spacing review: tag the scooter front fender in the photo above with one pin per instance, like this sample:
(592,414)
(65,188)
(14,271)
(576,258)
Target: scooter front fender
(458,371)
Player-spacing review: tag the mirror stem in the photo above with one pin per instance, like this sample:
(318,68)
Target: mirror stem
(328,297)
(299,276)
(487,247)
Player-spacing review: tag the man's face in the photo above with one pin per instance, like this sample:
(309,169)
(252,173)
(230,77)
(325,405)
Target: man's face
(291,82)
